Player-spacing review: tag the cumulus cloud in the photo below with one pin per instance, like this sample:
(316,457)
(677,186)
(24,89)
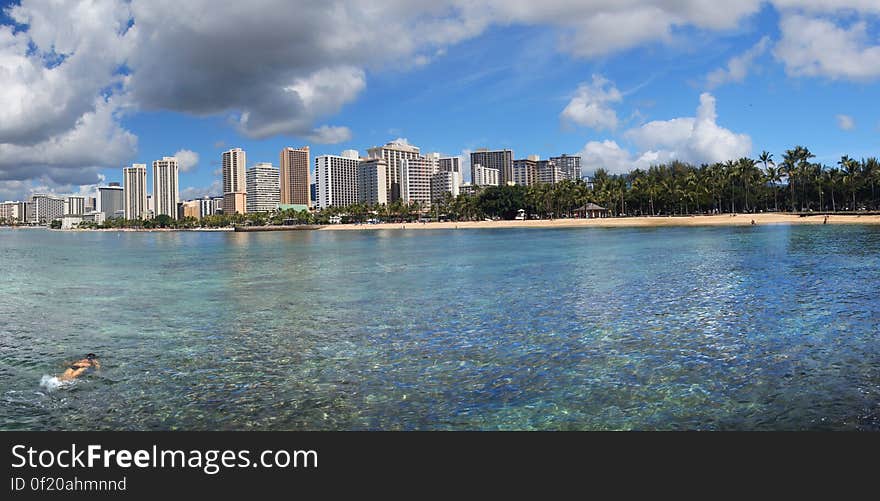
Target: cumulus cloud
(271,69)
(592,28)
(696,140)
(327,134)
(194,192)
(738,67)
(591,105)
(818,47)
(845,122)
(96,141)
(187,160)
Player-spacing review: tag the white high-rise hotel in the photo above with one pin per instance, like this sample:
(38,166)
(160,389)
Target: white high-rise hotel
(372,185)
(263,188)
(336,179)
(165,189)
(135,191)
(394,153)
(415,178)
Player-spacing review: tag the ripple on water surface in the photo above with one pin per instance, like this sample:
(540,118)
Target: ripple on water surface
(673,328)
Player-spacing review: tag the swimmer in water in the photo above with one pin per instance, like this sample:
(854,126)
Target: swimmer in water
(78,368)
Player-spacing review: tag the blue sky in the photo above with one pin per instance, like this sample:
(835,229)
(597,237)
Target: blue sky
(514,78)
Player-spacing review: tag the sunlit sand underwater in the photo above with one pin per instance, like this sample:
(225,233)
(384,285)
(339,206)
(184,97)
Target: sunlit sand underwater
(767,327)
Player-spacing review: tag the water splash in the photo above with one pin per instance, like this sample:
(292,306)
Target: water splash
(52,383)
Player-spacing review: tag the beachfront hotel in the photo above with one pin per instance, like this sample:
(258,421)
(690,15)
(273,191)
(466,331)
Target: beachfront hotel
(134,182)
(570,165)
(336,177)
(263,193)
(443,182)
(549,172)
(500,160)
(234,181)
(165,187)
(415,178)
(484,176)
(450,164)
(74,205)
(44,208)
(394,153)
(13,211)
(112,200)
(295,175)
(372,185)
(525,170)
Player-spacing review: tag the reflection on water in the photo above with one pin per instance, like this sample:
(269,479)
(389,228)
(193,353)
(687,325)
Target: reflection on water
(673,328)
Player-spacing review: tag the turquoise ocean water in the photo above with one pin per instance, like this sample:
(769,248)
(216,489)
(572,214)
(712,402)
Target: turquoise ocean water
(772,327)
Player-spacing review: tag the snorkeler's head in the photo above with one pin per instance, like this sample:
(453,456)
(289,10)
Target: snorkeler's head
(91,356)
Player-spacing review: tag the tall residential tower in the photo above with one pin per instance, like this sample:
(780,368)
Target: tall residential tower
(234,181)
(295,178)
(165,188)
(134,180)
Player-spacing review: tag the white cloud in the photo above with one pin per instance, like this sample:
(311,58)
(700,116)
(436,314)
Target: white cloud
(280,74)
(96,141)
(845,122)
(327,134)
(696,140)
(590,105)
(738,67)
(194,192)
(817,47)
(607,155)
(187,160)
(592,28)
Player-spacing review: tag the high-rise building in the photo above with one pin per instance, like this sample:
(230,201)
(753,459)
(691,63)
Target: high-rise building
(295,179)
(450,164)
(415,179)
(372,187)
(218,204)
(263,192)
(394,153)
(569,165)
(74,205)
(525,171)
(549,172)
(165,186)
(112,200)
(134,180)
(443,182)
(43,208)
(190,208)
(14,211)
(234,181)
(91,205)
(206,207)
(484,176)
(336,178)
(502,160)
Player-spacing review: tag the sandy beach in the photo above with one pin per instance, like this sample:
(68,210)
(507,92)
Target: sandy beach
(623,222)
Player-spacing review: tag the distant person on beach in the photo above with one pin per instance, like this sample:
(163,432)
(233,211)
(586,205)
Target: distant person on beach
(826,220)
(753,222)
(79,368)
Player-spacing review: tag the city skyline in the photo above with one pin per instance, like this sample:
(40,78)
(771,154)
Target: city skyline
(689,83)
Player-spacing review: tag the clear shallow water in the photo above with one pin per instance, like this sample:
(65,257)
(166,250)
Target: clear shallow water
(673,328)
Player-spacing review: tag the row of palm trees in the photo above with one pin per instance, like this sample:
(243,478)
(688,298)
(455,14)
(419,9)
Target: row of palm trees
(796,183)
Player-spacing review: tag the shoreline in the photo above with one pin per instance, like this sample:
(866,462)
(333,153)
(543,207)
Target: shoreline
(623,222)
(610,222)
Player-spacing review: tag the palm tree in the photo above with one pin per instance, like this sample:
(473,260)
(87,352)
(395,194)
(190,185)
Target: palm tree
(773,176)
(851,173)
